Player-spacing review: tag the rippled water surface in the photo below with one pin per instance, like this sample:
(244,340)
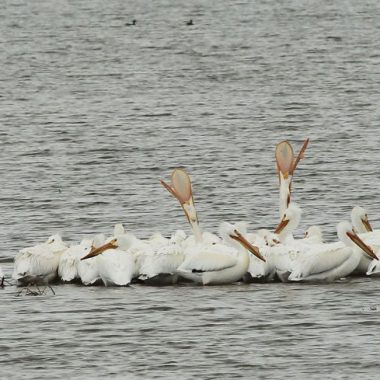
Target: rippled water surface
(94,113)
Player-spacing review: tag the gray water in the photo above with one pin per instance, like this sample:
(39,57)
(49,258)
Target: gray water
(94,113)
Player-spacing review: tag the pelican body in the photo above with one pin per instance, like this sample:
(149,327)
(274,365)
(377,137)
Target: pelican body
(39,264)
(330,262)
(218,263)
(69,260)
(160,265)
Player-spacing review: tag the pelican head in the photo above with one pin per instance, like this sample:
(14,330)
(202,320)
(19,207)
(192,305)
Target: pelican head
(242,226)
(54,239)
(286,163)
(178,236)
(285,158)
(118,229)
(110,244)
(268,237)
(289,221)
(313,231)
(314,234)
(181,189)
(347,235)
(231,234)
(56,243)
(359,219)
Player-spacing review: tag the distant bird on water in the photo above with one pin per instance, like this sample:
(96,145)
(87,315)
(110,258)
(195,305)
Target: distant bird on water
(1,279)
(131,23)
(190,22)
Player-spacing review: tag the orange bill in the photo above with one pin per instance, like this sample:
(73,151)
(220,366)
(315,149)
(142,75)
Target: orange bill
(181,189)
(97,251)
(247,245)
(284,222)
(284,158)
(367,224)
(363,246)
(301,155)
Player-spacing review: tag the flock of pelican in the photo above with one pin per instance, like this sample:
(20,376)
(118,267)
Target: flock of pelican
(206,258)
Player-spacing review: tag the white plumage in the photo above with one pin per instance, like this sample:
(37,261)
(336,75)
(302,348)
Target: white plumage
(116,267)
(69,260)
(330,262)
(160,265)
(39,264)
(217,263)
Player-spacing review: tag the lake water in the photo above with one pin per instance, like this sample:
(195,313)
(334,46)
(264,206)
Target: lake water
(94,113)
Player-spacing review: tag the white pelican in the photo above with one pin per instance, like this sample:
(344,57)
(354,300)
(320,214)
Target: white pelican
(290,220)
(281,249)
(207,237)
(119,260)
(359,219)
(181,189)
(286,164)
(88,269)
(68,262)
(259,270)
(202,248)
(159,267)
(313,235)
(157,240)
(363,227)
(219,263)
(330,262)
(39,264)
(115,264)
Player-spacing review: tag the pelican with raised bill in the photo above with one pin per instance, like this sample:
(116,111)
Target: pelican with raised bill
(39,264)
(207,259)
(181,189)
(286,163)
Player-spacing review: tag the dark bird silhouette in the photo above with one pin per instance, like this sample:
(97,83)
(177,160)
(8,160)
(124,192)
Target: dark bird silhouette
(190,22)
(131,23)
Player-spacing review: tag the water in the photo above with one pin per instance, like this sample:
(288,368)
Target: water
(94,113)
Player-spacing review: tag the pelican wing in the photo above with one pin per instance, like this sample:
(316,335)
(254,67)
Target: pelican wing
(116,267)
(35,262)
(315,263)
(166,260)
(88,271)
(208,262)
(371,238)
(67,268)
